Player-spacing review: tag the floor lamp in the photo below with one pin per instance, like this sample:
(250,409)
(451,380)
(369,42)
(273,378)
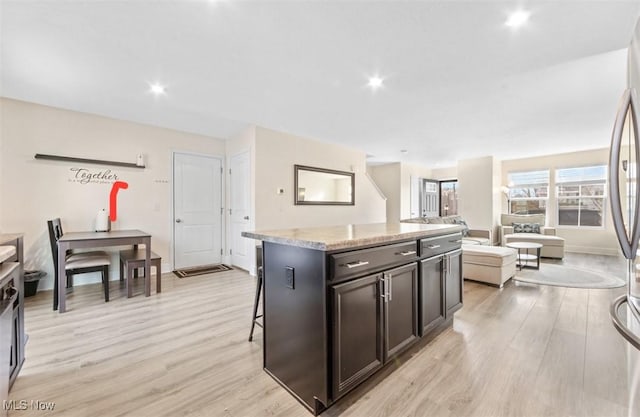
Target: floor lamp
(505,191)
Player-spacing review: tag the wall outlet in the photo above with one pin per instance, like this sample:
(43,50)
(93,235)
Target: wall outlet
(289,277)
(279,190)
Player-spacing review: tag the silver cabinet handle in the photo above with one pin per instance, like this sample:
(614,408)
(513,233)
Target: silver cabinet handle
(246,217)
(386,287)
(178,220)
(433,246)
(389,288)
(356,264)
(407,253)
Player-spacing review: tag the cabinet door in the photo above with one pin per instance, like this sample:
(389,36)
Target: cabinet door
(400,309)
(357,332)
(454,287)
(432,311)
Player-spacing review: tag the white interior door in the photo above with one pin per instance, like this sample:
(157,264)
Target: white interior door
(197,201)
(240,210)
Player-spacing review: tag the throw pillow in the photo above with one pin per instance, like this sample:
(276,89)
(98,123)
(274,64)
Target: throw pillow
(526,228)
(465,231)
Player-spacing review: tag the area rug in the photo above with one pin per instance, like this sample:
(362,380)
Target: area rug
(201,270)
(565,276)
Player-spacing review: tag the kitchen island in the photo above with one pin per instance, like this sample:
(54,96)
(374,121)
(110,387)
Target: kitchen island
(341,302)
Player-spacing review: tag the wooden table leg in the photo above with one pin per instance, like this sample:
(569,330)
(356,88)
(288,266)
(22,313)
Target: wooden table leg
(158,276)
(147,267)
(62,282)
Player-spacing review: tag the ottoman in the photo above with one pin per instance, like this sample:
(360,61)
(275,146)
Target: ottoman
(493,265)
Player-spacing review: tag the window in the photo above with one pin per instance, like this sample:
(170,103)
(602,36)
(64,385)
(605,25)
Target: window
(528,192)
(449,198)
(581,196)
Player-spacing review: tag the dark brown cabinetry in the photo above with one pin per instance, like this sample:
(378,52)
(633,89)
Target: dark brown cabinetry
(440,288)
(12,337)
(453,283)
(12,288)
(400,309)
(357,331)
(432,294)
(332,318)
(375,318)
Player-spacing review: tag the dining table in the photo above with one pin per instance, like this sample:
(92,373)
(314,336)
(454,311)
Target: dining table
(83,240)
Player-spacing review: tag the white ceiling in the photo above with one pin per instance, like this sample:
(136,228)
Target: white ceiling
(458,82)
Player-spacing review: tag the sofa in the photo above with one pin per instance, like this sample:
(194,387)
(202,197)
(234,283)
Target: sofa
(470,236)
(531,228)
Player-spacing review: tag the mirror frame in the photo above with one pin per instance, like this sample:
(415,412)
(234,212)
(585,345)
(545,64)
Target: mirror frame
(297,202)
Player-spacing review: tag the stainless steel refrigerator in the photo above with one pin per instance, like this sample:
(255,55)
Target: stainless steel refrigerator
(624,192)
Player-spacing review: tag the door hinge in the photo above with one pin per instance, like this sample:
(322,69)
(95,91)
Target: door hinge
(230,251)
(229,171)
(230,212)
(221,170)
(221,211)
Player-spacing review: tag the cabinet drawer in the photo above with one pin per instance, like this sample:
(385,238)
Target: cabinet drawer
(353,263)
(437,245)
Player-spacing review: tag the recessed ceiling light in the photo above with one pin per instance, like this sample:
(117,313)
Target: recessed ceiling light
(404,151)
(157,89)
(517,19)
(375,82)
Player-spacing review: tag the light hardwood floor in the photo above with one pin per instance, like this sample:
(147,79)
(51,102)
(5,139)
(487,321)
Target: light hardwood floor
(525,350)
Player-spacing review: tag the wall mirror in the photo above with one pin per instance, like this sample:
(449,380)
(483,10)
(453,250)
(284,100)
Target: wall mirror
(318,186)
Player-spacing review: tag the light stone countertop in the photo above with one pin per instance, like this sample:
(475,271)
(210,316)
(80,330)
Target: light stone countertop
(351,235)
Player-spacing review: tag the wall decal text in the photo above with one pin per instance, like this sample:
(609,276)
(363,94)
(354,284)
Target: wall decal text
(87,176)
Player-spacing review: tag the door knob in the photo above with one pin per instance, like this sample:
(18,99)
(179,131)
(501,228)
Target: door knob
(246,217)
(178,220)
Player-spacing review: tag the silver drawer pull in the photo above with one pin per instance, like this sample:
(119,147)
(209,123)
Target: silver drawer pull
(356,264)
(407,253)
(433,246)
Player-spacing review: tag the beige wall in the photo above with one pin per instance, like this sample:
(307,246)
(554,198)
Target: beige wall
(448,173)
(387,178)
(394,180)
(633,67)
(34,191)
(476,188)
(408,171)
(585,240)
(497,197)
(275,155)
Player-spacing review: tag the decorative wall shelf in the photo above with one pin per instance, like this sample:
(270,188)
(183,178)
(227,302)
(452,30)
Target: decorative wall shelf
(87,161)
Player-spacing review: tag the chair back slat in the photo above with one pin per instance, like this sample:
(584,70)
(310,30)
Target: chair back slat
(55,232)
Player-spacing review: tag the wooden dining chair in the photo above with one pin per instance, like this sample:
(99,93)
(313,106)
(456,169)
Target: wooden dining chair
(78,263)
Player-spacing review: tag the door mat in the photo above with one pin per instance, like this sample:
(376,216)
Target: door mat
(201,270)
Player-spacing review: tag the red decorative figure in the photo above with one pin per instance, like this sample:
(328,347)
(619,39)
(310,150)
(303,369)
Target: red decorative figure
(113,198)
